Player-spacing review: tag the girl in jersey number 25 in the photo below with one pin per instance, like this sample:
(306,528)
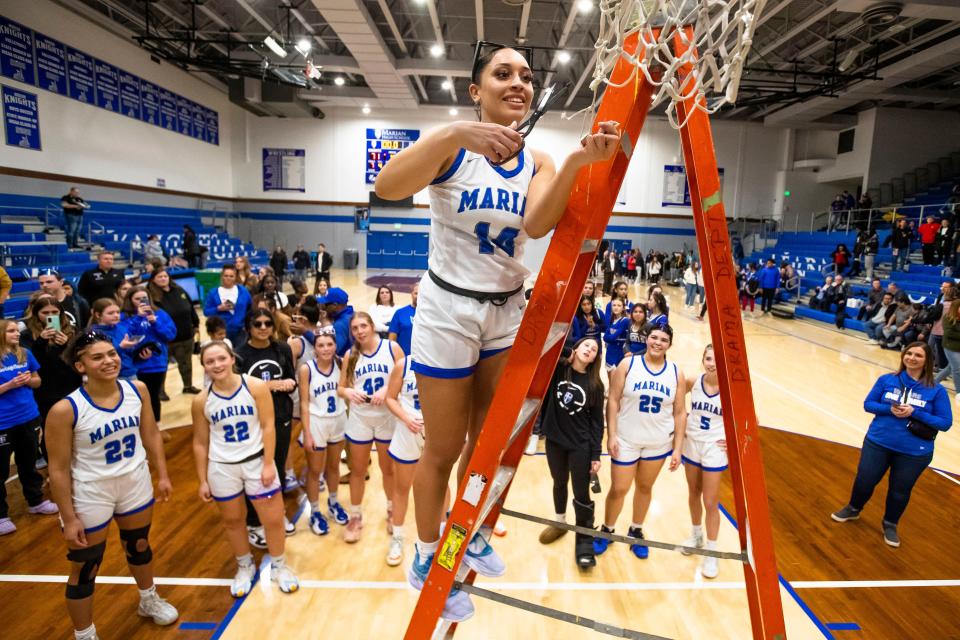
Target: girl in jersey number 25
(98,439)
(233,446)
(471,300)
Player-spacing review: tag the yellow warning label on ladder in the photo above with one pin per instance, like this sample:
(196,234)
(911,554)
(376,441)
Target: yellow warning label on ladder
(451,546)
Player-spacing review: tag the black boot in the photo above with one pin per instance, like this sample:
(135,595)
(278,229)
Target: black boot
(583,544)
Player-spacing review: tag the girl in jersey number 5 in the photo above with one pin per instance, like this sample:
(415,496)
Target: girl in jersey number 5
(471,300)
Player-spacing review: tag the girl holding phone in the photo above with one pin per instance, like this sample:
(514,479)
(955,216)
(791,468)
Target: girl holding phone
(153,329)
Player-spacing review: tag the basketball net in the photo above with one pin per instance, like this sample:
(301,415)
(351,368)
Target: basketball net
(716,48)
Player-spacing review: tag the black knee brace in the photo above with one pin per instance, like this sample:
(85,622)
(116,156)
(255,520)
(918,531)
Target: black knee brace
(90,559)
(136,545)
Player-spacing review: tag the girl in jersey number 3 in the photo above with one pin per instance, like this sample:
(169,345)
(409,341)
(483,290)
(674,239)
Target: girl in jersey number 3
(471,300)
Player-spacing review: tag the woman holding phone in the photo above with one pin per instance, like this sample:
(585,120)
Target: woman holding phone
(152,329)
(909,410)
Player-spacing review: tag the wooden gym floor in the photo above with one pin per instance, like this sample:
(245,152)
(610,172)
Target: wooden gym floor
(839,580)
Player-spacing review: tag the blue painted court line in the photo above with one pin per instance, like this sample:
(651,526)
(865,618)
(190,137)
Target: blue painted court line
(197,626)
(843,626)
(786,585)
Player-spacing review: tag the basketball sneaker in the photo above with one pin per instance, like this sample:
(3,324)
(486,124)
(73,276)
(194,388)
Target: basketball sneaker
(845,514)
(6,526)
(352,532)
(458,607)
(45,508)
(710,568)
(600,545)
(285,578)
(695,541)
(290,482)
(153,606)
(243,580)
(256,537)
(481,557)
(337,512)
(639,550)
(289,528)
(532,443)
(318,524)
(500,529)
(395,552)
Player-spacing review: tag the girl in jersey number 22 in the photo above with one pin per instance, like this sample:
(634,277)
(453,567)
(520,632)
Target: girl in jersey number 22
(98,440)
(471,300)
(233,445)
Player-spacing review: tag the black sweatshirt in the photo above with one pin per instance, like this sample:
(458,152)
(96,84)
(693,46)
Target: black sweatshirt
(275,362)
(570,419)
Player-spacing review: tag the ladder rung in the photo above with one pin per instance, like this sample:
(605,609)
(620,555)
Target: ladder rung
(530,406)
(589,246)
(500,481)
(558,331)
(442,629)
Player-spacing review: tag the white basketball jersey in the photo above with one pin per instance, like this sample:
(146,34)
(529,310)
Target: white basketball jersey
(476,232)
(646,408)
(106,441)
(306,355)
(705,421)
(235,433)
(409,396)
(370,376)
(324,401)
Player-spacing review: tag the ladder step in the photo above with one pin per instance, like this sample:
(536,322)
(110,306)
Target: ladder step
(500,481)
(530,406)
(558,332)
(589,245)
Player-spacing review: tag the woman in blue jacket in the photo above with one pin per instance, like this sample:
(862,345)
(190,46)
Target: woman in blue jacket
(587,322)
(617,323)
(910,409)
(152,329)
(769,281)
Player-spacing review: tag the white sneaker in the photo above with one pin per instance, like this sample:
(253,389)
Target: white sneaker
(243,581)
(288,527)
(482,558)
(162,612)
(532,445)
(285,578)
(872,341)
(710,568)
(695,541)
(256,537)
(395,553)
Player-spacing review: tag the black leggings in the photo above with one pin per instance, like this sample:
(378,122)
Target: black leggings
(572,465)
(21,441)
(281,449)
(154,382)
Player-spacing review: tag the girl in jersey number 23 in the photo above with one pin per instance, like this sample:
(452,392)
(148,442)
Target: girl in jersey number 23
(471,300)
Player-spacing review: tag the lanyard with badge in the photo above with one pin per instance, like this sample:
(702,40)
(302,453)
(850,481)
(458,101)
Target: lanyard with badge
(920,430)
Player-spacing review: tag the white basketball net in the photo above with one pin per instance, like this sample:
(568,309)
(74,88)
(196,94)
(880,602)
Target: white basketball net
(722,35)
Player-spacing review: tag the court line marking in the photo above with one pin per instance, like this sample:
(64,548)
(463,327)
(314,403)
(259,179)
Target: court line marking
(381,585)
(945,475)
(806,401)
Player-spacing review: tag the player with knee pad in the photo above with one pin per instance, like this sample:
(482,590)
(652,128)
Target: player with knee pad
(99,439)
(233,441)
(323,416)
(363,383)
(487,195)
(645,426)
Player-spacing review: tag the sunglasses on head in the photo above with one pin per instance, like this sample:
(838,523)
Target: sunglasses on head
(262,325)
(88,338)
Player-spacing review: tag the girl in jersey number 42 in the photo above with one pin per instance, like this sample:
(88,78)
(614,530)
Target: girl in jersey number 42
(233,442)
(471,300)
(98,439)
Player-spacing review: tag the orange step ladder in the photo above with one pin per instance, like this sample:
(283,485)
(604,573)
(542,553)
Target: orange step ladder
(540,340)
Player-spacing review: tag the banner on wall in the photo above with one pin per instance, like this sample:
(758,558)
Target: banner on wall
(108,85)
(80,76)
(21,118)
(16,51)
(383,144)
(284,170)
(51,64)
(676,191)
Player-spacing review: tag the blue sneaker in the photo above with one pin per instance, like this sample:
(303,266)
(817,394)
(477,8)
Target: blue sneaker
(458,607)
(337,512)
(639,550)
(600,545)
(318,524)
(481,557)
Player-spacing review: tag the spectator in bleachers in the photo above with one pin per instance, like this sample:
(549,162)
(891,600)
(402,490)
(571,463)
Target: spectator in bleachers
(167,295)
(898,324)
(301,262)
(231,302)
(73,207)
(788,282)
(121,290)
(278,262)
(928,238)
(154,330)
(190,246)
(865,252)
(340,312)
(692,283)
(270,288)
(769,281)
(881,315)
(821,298)
(864,206)
(836,213)
(102,280)
(951,343)
(324,264)
(153,250)
(750,287)
(849,201)
(945,243)
(841,291)
(382,311)
(874,297)
(401,326)
(6,284)
(840,258)
(899,240)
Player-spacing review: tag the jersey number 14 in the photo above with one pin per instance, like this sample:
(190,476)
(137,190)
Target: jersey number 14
(504,240)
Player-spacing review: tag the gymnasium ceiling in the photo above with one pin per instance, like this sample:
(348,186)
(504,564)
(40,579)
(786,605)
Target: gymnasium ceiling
(814,63)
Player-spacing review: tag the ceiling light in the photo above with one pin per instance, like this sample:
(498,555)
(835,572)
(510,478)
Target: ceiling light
(563,57)
(848,60)
(303,46)
(274,46)
(366,110)
(584,6)
(436,50)
(339,81)
(446,85)
(453,111)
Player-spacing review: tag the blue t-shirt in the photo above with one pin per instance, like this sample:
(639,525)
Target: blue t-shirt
(17,405)
(402,326)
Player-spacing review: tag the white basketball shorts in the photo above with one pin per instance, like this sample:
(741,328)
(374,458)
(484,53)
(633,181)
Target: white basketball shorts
(632,451)
(96,502)
(706,455)
(228,481)
(367,429)
(406,446)
(452,333)
(327,431)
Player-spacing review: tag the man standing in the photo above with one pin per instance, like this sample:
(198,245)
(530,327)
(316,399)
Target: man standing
(278,262)
(335,303)
(769,281)
(51,283)
(101,281)
(609,268)
(841,291)
(324,262)
(231,303)
(401,327)
(928,238)
(301,262)
(73,208)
